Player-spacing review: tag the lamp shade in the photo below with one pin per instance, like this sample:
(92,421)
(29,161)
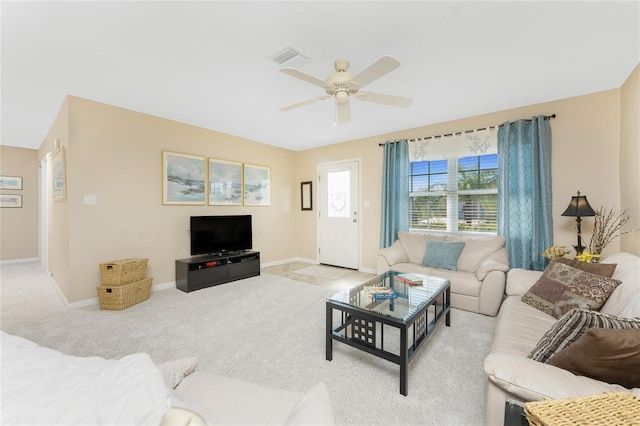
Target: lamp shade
(579,207)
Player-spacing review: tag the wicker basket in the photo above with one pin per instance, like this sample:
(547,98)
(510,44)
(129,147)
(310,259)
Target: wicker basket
(117,298)
(125,271)
(607,409)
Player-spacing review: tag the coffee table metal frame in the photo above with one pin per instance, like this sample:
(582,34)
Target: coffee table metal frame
(359,327)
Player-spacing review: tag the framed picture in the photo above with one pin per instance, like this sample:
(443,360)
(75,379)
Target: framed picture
(10,182)
(306,195)
(257,185)
(10,200)
(183,179)
(225,183)
(58,176)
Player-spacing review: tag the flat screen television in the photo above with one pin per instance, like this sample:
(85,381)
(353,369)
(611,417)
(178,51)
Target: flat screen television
(220,234)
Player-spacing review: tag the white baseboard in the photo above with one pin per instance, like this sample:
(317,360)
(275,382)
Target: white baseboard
(368,270)
(94,300)
(9,262)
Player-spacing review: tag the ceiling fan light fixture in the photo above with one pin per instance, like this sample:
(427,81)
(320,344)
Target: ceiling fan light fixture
(342,96)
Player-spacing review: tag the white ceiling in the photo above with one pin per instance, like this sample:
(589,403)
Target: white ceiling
(208,63)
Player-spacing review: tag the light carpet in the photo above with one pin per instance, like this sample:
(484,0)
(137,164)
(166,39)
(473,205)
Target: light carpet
(269,330)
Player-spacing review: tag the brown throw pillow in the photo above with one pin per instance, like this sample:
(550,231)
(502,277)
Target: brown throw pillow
(604,269)
(562,288)
(571,326)
(611,356)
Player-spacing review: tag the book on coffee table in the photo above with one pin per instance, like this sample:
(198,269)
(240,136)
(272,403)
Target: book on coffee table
(410,279)
(375,292)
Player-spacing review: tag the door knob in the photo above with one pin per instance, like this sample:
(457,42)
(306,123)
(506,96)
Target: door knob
(355,220)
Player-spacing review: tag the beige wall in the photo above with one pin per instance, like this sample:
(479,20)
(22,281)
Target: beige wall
(115,154)
(630,159)
(19,236)
(585,155)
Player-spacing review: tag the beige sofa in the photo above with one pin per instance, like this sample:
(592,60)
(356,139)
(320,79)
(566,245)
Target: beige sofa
(512,376)
(44,386)
(477,284)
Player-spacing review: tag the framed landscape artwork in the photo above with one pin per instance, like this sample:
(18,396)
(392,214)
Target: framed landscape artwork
(225,183)
(183,179)
(10,182)
(257,185)
(10,200)
(58,178)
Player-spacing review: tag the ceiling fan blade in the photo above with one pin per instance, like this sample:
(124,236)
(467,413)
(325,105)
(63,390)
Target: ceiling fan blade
(303,103)
(305,77)
(380,98)
(343,111)
(384,65)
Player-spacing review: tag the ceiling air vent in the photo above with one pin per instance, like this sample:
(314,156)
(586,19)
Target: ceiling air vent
(289,57)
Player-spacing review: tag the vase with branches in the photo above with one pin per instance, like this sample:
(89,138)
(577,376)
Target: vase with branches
(607,226)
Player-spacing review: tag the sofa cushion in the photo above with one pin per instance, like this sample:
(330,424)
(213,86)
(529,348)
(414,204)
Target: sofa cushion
(574,324)
(174,371)
(415,244)
(476,250)
(442,254)
(562,288)
(612,356)
(222,400)
(313,409)
(604,269)
(625,301)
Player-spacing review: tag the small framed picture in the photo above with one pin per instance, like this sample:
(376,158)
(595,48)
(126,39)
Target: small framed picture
(306,195)
(10,201)
(10,182)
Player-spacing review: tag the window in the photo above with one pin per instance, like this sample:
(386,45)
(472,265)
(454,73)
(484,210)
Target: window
(455,194)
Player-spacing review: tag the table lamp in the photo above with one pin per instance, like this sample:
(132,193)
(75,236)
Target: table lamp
(579,207)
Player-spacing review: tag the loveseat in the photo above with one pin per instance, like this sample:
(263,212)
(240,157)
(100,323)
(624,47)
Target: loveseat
(523,330)
(477,273)
(43,386)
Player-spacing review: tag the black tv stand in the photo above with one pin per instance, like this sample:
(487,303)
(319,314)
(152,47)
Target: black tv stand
(200,272)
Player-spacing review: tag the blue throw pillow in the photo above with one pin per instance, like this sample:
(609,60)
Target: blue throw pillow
(442,254)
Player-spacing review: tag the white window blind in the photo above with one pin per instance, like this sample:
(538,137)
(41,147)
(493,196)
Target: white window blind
(453,182)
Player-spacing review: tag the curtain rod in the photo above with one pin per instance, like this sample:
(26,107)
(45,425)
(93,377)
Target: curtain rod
(528,120)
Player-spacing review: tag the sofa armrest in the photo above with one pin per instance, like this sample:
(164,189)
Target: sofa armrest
(492,293)
(519,281)
(498,261)
(531,380)
(387,257)
(514,377)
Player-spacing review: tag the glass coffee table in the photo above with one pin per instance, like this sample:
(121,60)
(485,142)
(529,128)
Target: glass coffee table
(384,302)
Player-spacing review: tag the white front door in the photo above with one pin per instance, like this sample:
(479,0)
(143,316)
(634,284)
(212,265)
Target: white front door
(339,222)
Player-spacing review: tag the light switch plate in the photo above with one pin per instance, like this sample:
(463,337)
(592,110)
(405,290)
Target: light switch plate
(90,200)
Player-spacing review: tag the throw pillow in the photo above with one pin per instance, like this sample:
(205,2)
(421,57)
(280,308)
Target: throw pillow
(442,254)
(574,324)
(604,269)
(611,356)
(174,371)
(562,288)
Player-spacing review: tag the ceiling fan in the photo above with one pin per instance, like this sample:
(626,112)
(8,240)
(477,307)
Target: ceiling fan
(343,85)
